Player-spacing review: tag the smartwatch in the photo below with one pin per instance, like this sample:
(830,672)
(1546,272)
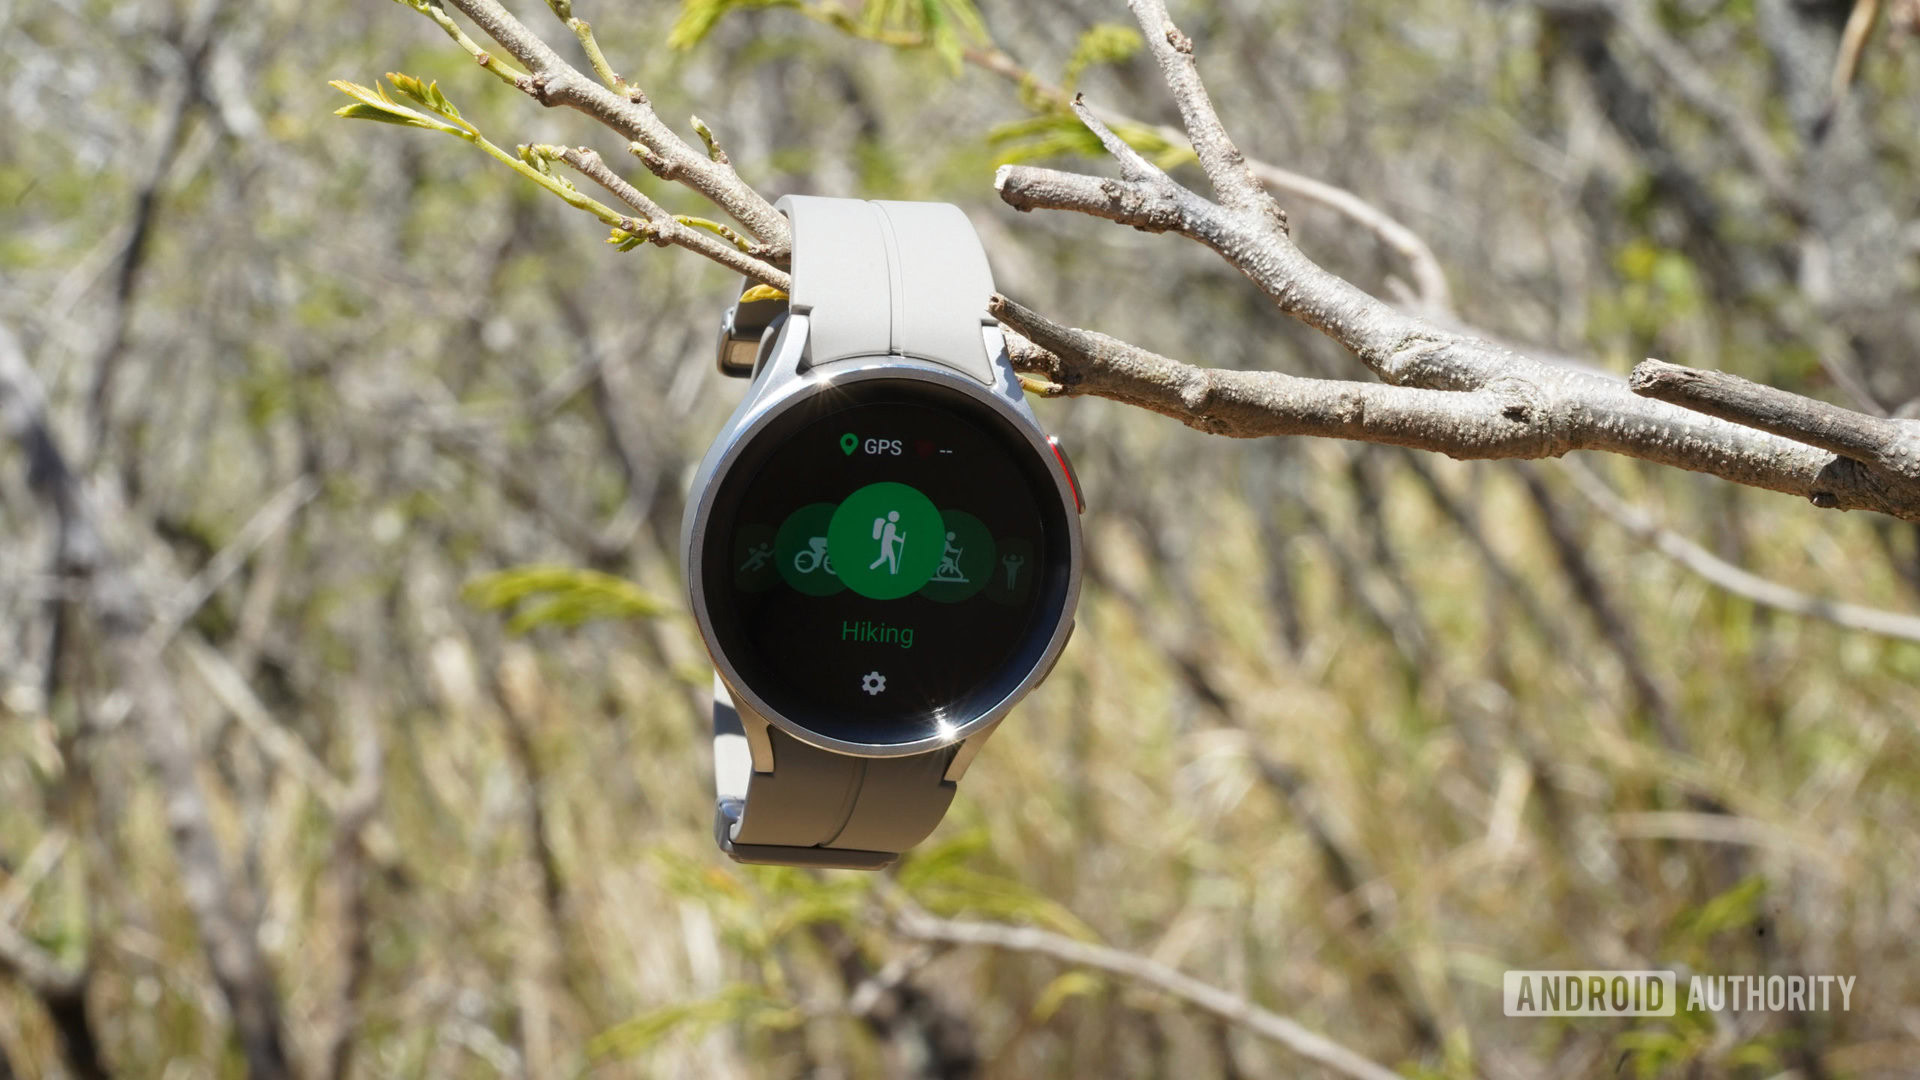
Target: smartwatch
(882,547)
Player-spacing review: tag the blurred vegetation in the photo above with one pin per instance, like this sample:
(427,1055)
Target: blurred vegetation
(1343,730)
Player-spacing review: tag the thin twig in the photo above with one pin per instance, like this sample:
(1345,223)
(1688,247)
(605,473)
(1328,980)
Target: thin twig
(553,81)
(1429,280)
(196,40)
(38,864)
(1642,526)
(1687,76)
(39,969)
(283,747)
(265,522)
(1232,1008)
(1846,64)
(352,820)
(666,229)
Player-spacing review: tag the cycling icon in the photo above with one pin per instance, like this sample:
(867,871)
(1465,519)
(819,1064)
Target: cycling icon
(800,551)
(814,557)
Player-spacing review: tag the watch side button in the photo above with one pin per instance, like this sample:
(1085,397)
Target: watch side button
(1064,642)
(1073,478)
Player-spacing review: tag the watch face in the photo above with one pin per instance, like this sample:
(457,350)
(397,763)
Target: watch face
(885,559)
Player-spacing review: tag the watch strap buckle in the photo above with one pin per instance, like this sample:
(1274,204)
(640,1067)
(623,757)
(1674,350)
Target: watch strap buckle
(743,329)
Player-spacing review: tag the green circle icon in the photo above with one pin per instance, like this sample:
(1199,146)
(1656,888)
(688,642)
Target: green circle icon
(885,540)
(800,551)
(967,559)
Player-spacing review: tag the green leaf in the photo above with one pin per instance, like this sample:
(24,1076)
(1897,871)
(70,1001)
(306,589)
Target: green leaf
(1051,134)
(1734,909)
(941,35)
(409,86)
(968,17)
(1057,133)
(372,103)
(696,21)
(427,94)
(1102,43)
(1062,989)
(560,596)
(741,1002)
(942,880)
(698,18)
(362,111)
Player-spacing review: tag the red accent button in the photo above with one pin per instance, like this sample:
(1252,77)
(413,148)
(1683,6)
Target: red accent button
(1066,466)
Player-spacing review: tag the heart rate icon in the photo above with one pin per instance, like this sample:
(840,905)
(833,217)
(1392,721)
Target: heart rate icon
(923,447)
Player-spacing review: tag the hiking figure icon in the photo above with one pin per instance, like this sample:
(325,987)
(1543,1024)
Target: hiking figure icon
(892,542)
(950,563)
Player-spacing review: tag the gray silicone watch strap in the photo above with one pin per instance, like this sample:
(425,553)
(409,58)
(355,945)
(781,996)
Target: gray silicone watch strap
(890,277)
(817,808)
(874,278)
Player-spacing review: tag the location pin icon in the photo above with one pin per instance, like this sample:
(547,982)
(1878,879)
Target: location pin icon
(848,442)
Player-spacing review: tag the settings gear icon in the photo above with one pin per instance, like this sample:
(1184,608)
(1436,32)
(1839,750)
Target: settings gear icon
(873,683)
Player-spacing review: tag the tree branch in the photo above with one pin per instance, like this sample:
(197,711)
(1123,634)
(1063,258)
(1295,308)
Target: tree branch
(1311,1045)
(1892,445)
(1429,279)
(1523,408)
(1447,391)
(666,230)
(1537,412)
(1225,167)
(553,81)
(1253,404)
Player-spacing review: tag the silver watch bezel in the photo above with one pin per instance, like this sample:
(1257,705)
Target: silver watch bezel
(783,386)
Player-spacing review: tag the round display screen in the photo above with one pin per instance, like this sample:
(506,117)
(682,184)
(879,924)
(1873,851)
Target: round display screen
(884,558)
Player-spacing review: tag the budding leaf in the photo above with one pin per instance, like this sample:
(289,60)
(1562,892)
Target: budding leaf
(362,111)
